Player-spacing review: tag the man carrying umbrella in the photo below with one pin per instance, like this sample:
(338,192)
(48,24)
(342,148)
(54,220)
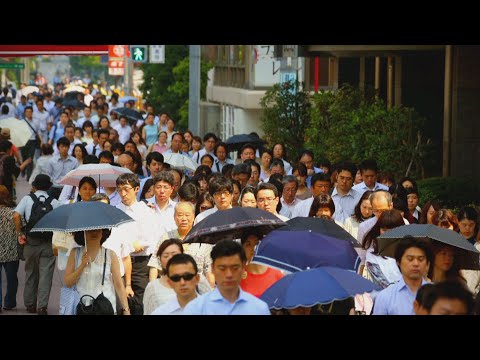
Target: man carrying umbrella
(413,259)
(39,258)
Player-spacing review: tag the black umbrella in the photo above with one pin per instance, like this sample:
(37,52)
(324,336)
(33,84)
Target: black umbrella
(71,95)
(74,103)
(132,115)
(231,224)
(467,255)
(320,226)
(236,142)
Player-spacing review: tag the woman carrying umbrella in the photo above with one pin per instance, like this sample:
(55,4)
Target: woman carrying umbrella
(256,278)
(87,276)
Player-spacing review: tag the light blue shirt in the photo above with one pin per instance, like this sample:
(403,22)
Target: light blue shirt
(213,303)
(309,178)
(361,188)
(171,307)
(58,168)
(345,205)
(397,299)
(24,207)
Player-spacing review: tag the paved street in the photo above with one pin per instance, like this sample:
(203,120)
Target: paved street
(23,189)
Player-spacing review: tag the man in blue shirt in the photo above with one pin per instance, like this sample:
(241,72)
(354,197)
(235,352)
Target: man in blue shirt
(413,258)
(228,262)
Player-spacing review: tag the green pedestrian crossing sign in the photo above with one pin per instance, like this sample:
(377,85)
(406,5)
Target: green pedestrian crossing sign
(139,53)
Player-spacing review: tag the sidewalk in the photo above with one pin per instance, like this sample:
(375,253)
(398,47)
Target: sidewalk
(23,188)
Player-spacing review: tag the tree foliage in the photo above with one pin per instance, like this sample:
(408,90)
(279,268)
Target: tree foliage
(347,125)
(81,65)
(286,115)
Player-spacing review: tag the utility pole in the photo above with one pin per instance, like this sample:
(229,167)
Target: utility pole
(194,90)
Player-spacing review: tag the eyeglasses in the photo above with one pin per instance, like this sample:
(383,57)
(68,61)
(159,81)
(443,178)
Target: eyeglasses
(186,277)
(205,207)
(220,193)
(124,189)
(269,200)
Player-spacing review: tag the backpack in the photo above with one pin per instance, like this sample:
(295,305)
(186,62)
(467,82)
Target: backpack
(2,168)
(39,209)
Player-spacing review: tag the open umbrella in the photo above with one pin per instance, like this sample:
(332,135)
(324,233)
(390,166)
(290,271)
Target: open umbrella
(132,115)
(74,88)
(82,216)
(28,90)
(125,99)
(180,161)
(73,103)
(235,142)
(467,255)
(320,226)
(106,174)
(315,286)
(231,224)
(300,250)
(20,132)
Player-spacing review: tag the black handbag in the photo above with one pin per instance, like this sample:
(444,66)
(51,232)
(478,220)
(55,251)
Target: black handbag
(98,306)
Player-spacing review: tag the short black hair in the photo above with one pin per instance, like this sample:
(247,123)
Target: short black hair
(154,155)
(63,141)
(226,248)
(450,290)
(108,155)
(189,192)
(369,164)
(181,259)
(408,242)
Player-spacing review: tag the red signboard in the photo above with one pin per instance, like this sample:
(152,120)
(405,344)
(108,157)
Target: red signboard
(33,50)
(116,60)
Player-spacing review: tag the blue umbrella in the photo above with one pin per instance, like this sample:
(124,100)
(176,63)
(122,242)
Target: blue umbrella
(81,216)
(301,250)
(316,286)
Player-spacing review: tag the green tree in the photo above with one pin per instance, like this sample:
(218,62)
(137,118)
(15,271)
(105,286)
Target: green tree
(91,65)
(347,125)
(286,115)
(158,77)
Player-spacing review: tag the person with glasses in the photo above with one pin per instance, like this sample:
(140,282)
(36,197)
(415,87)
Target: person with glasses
(182,276)
(267,199)
(142,233)
(204,202)
(221,189)
(343,195)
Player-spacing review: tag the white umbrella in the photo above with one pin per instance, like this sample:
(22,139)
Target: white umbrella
(19,131)
(180,161)
(28,90)
(104,174)
(75,88)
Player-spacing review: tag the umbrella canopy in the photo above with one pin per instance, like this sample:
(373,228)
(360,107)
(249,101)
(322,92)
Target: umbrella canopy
(467,256)
(231,224)
(315,286)
(320,226)
(235,142)
(301,250)
(180,161)
(132,115)
(73,103)
(28,90)
(125,99)
(75,88)
(19,131)
(104,174)
(80,216)
(72,95)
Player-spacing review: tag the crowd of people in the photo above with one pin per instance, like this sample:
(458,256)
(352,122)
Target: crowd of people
(152,271)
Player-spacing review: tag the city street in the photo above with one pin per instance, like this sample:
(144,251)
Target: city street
(23,189)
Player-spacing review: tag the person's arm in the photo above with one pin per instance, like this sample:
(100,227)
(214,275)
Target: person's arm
(152,273)
(211,279)
(144,133)
(127,264)
(380,307)
(117,282)
(17,219)
(72,275)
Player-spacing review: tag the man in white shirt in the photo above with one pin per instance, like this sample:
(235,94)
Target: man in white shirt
(209,141)
(163,184)
(344,197)
(124,130)
(221,190)
(42,116)
(183,277)
(267,199)
(320,185)
(290,186)
(369,171)
(142,233)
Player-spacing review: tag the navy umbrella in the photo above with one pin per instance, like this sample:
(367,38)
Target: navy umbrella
(73,103)
(301,250)
(320,226)
(231,224)
(467,256)
(316,286)
(82,216)
(236,142)
(132,115)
